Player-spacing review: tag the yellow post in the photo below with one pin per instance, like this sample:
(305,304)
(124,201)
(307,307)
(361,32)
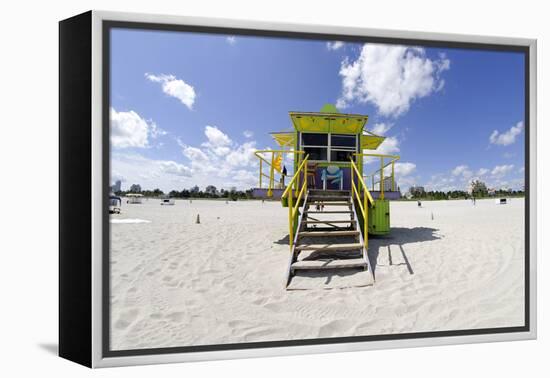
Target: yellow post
(271,173)
(295,184)
(352,173)
(393,176)
(305,177)
(290,219)
(365,221)
(381,178)
(261,161)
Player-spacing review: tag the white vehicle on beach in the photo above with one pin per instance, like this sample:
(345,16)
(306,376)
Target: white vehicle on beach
(115,204)
(167,201)
(134,198)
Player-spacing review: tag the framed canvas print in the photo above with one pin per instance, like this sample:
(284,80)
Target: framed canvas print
(234,189)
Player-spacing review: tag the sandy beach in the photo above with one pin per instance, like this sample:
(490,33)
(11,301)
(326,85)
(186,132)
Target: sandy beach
(449,265)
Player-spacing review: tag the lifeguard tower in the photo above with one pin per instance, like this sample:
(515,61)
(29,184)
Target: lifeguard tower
(317,173)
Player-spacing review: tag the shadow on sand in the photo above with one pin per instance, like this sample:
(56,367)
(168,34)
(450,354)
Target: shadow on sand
(398,237)
(283,241)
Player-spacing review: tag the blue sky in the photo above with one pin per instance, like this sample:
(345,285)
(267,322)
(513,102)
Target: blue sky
(190,108)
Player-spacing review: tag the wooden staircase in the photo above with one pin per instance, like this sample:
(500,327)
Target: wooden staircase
(328,236)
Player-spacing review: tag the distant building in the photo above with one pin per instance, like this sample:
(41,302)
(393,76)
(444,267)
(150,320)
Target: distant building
(388,184)
(135,188)
(117,187)
(417,191)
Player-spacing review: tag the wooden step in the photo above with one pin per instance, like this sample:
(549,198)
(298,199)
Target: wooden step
(330,227)
(327,233)
(347,203)
(329,247)
(328,191)
(315,198)
(328,221)
(329,264)
(329,212)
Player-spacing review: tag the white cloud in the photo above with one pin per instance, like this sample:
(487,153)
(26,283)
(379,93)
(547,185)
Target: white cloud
(243,178)
(129,129)
(460,177)
(218,141)
(404,169)
(389,146)
(335,45)
(216,137)
(381,128)
(502,170)
(231,40)
(194,154)
(150,173)
(243,155)
(175,87)
(221,161)
(508,137)
(248,134)
(462,170)
(444,183)
(341,103)
(202,167)
(390,77)
(482,172)
(171,167)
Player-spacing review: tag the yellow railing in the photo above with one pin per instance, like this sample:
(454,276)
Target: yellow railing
(380,171)
(295,186)
(365,202)
(271,162)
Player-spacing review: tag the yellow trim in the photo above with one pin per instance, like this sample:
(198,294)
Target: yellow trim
(370,141)
(328,122)
(294,186)
(393,176)
(271,175)
(382,179)
(284,139)
(367,199)
(393,158)
(274,163)
(361,181)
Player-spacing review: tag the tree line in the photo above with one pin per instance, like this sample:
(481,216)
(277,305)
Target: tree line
(478,189)
(460,194)
(195,192)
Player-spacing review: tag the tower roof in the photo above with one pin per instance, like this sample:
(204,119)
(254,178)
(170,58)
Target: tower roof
(329,120)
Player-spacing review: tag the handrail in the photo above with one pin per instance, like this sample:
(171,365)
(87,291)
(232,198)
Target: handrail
(360,180)
(380,171)
(294,187)
(396,157)
(367,199)
(271,164)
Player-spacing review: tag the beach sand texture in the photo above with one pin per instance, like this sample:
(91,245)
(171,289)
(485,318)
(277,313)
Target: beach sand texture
(178,283)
